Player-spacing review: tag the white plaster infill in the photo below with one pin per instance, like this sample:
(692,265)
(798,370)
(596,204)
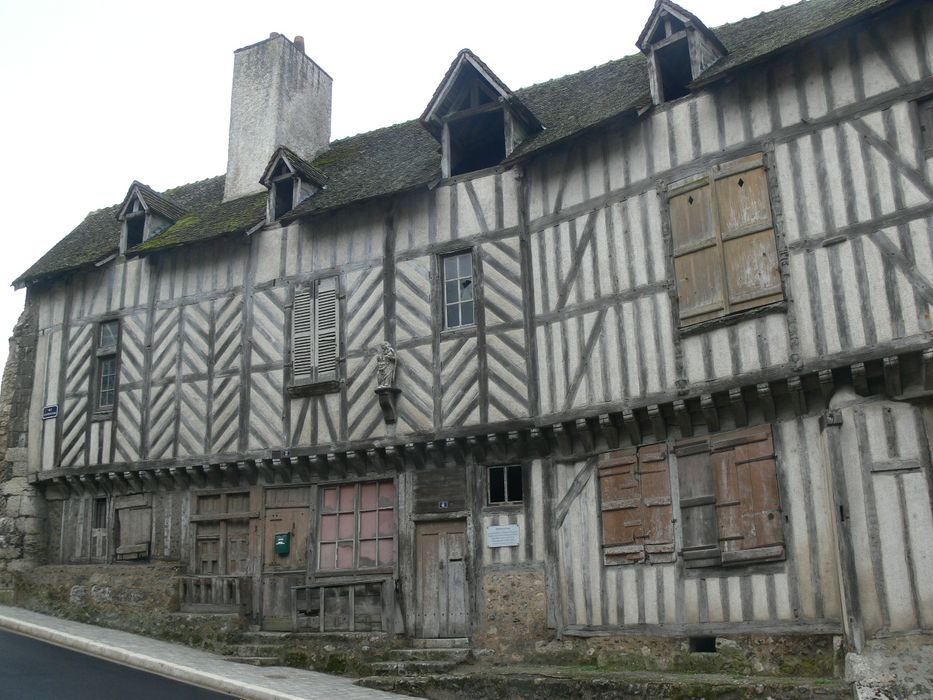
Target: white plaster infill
(185,664)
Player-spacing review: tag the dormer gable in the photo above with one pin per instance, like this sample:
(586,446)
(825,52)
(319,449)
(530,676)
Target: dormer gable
(679,48)
(290,180)
(475,117)
(144,214)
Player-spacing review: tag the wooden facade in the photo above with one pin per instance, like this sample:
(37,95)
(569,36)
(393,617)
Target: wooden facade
(753,261)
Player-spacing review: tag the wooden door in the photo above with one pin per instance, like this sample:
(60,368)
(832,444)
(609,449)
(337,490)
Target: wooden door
(287,510)
(443,591)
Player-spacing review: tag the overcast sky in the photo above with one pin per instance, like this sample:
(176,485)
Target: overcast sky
(97,94)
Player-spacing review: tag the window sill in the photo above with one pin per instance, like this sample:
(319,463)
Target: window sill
(514,507)
(314,388)
(458,332)
(102,415)
(733,319)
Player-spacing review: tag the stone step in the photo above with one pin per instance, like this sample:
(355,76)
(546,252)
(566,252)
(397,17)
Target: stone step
(255,660)
(457,654)
(403,668)
(442,643)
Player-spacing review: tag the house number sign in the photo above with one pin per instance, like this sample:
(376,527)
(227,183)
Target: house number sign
(502,536)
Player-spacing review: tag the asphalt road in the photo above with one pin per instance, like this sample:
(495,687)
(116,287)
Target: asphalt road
(34,670)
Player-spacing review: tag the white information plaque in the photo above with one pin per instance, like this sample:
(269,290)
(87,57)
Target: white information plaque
(502,536)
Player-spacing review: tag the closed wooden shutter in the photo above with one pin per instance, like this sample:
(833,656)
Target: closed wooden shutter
(302,356)
(697,504)
(326,329)
(135,533)
(748,499)
(697,258)
(744,210)
(635,500)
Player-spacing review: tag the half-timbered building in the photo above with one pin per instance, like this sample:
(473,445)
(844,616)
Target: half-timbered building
(643,350)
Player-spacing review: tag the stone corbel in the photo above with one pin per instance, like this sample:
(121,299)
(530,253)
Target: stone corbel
(388,397)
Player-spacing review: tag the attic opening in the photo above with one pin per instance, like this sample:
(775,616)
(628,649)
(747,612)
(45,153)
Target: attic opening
(476,142)
(674,71)
(284,193)
(135,229)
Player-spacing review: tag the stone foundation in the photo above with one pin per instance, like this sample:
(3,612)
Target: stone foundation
(514,615)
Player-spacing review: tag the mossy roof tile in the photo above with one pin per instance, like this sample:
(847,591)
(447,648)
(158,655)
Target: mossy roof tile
(405,156)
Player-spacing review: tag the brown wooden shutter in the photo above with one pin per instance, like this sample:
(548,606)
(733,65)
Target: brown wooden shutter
(697,504)
(302,356)
(748,501)
(657,508)
(635,499)
(326,329)
(744,213)
(697,259)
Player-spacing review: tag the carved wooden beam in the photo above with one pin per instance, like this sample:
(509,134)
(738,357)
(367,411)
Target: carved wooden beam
(120,481)
(683,418)
(303,467)
(609,430)
(342,462)
(658,426)
(892,376)
(104,483)
(797,396)
(198,476)
(585,434)
(547,440)
(251,472)
(739,408)
(630,421)
(437,451)
(479,447)
(87,485)
(266,471)
(165,478)
(766,399)
(927,360)
(710,412)
(860,379)
(826,385)
(499,445)
(566,435)
(135,481)
(180,474)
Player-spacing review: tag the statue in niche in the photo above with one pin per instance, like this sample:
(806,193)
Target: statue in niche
(385,366)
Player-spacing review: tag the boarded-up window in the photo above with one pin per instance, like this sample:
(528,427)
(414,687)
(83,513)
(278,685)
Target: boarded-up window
(729,498)
(357,526)
(222,533)
(315,332)
(635,499)
(725,258)
(133,515)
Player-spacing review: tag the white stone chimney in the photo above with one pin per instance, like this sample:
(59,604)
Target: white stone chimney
(280,97)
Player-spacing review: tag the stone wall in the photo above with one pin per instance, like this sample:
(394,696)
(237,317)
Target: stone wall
(22,540)
(514,614)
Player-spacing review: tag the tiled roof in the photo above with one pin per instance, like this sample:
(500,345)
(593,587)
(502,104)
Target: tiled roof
(405,156)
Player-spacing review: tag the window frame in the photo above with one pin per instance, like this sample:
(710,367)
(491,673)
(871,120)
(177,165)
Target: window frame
(728,310)
(319,542)
(459,303)
(507,503)
(105,355)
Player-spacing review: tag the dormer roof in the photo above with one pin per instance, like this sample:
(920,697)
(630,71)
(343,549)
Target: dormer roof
(295,164)
(442,102)
(662,7)
(151,201)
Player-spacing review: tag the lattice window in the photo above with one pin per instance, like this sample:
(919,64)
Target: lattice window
(357,528)
(725,258)
(458,290)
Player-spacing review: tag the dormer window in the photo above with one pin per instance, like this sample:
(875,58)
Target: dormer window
(679,48)
(476,118)
(290,180)
(144,214)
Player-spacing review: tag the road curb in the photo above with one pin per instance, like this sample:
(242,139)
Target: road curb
(143,662)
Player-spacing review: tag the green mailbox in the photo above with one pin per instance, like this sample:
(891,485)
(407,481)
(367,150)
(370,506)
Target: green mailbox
(282,542)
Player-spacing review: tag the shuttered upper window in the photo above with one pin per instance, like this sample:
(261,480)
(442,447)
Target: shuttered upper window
(315,332)
(725,258)
(729,499)
(635,500)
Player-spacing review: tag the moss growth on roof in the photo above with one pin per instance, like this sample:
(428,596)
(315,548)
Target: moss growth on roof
(405,156)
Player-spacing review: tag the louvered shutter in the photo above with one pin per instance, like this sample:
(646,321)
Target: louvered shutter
(697,504)
(744,211)
(748,501)
(302,359)
(326,327)
(697,258)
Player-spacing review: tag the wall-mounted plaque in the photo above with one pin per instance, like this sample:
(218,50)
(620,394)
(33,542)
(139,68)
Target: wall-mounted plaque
(502,536)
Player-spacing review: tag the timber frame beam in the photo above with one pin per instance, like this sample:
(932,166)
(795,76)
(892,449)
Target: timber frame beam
(711,409)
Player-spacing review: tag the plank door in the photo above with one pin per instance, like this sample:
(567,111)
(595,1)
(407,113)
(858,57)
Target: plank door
(287,510)
(443,591)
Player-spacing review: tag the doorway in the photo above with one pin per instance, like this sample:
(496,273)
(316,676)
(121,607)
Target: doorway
(441,579)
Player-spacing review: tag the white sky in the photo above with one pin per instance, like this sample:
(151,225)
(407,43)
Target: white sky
(97,94)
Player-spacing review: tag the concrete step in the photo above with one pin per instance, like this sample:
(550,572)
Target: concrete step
(442,643)
(402,668)
(255,660)
(456,655)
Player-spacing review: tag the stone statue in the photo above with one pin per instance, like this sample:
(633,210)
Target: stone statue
(385,366)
